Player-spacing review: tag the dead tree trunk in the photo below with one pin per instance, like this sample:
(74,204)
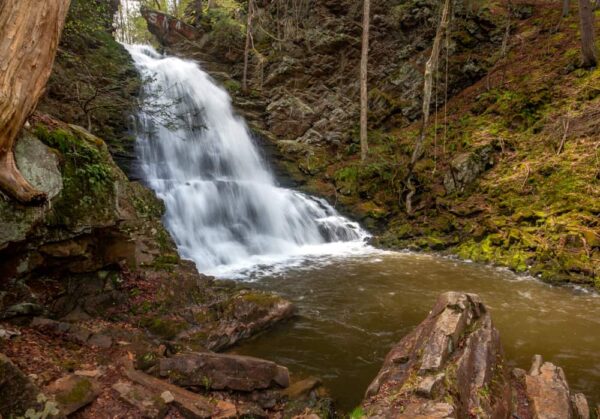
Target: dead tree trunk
(588,47)
(364,94)
(247,47)
(565,8)
(29,35)
(430,68)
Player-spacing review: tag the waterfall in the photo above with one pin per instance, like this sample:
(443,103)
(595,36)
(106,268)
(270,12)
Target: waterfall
(223,206)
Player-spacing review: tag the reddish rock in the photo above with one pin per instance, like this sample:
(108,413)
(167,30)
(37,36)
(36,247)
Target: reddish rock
(549,395)
(168,29)
(449,366)
(223,372)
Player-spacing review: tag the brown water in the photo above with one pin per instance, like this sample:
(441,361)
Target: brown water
(353,309)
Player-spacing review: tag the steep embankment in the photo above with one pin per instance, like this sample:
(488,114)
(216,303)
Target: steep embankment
(511,169)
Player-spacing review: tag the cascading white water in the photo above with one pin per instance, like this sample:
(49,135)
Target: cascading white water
(223,207)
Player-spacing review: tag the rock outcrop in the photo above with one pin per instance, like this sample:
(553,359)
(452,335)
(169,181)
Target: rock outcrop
(447,367)
(452,366)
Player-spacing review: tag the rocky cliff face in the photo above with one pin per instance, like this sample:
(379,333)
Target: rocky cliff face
(452,366)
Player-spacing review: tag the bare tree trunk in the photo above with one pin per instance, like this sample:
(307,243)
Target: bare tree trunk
(565,8)
(247,47)
(364,94)
(29,35)
(588,47)
(430,68)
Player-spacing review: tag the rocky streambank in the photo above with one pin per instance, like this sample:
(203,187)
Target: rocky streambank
(97,308)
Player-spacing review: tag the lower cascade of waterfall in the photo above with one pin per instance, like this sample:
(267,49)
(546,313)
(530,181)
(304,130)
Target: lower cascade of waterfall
(223,206)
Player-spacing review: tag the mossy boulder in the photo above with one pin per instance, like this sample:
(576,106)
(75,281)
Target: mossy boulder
(73,392)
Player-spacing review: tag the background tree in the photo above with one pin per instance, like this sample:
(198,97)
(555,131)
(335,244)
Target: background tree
(588,46)
(364,94)
(565,8)
(248,43)
(430,68)
(29,36)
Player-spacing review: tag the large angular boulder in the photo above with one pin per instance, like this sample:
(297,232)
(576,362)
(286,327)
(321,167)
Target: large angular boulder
(223,372)
(449,366)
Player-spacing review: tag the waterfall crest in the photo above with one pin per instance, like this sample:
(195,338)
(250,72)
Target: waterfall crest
(223,206)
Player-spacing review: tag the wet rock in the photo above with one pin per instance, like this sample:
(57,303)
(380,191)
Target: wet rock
(18,393)
(467,167)
(240,316)
(191,405)
(301,388)
(581,409)
(73,392)
(454,354)
(223,372)
(549,395)
(142,399)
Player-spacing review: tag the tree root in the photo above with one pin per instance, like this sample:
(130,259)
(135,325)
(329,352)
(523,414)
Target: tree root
(13,184)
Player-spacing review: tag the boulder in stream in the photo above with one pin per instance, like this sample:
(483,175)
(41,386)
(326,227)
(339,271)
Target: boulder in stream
(450,366)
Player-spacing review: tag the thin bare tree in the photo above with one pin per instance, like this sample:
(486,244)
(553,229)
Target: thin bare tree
(364,93)
(430,68)
(248,44)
